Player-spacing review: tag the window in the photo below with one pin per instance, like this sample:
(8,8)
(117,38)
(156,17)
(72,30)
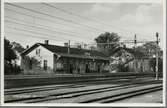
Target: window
(45,64)
(30,64)
(37,51)
(87,53)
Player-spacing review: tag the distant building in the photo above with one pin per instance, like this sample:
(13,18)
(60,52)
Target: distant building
(139,65)
(45,58)
(131,63)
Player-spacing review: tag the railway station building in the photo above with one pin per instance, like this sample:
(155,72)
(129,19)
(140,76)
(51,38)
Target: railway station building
(44,58)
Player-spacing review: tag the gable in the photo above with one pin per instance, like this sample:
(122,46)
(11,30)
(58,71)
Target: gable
(32,50)
(40,51)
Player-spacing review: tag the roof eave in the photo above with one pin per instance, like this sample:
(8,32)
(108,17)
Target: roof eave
(82,57)
(22,53)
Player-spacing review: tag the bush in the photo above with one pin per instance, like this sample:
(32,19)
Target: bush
(12,69)
(122,68)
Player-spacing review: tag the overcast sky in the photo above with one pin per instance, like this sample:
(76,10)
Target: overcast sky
(126,19)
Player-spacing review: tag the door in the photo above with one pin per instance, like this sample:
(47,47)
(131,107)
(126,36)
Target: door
(98,68)
(71,68)
(87,68)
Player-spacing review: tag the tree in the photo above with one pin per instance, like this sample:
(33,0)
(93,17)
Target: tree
(9,56)
(151,48)
(9,53)
(148,49)
(17,47)
(152,63)
(107,37)
(145,50)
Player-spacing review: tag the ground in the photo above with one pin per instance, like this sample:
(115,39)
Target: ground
(154,97)
(89,92)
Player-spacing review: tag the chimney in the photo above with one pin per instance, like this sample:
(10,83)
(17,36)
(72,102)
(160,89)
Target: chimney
(124,46)
(46,42)
(85,46)
(27,46)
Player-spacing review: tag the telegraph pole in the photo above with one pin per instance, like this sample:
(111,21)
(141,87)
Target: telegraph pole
(69,47)
(108,42)
(135,62)
(156,68)
(68,64)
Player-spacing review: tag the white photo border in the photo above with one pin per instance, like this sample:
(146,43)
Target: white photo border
(90,104)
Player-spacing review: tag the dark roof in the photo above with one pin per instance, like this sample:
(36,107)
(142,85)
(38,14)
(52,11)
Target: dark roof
(74,52)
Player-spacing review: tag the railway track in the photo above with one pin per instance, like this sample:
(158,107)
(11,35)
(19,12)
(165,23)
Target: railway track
(128,95)
(58,96)
(124,95)
(74,85)
(30,81)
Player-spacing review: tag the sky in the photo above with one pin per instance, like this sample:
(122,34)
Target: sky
(58,26)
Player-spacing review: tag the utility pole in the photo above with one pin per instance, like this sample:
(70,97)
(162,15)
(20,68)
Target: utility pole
(156,68)
(107,46)
(108,42)
(135,62)
(69,47)
(68,64)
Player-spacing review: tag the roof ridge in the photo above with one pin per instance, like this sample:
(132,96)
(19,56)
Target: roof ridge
(63,49)
(70,47)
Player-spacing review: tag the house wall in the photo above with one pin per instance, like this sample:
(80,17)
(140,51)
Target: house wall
(33,63)
(78,65)
(142,65)
(37,61)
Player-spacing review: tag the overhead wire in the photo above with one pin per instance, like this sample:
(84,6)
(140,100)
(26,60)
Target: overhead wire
(7,17)
(58,32)
(90,19)
(36,16)
(33,36)
(53,16)
(45,19)
(60,18)
(32,32)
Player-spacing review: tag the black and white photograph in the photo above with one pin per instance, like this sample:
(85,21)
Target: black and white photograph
(84,53)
